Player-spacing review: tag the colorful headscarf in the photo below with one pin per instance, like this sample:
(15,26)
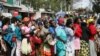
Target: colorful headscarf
(61,21)
(26,19)
(90,20)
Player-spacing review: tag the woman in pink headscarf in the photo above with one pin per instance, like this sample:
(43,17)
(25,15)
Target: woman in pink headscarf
(25,28)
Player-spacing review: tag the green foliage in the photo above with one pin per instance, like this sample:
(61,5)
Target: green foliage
(47,4)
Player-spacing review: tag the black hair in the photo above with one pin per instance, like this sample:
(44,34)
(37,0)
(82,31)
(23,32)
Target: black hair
(51,24)
(46,24)
(76,19)
(83,24)
(95,18)
(13,20)
(32,33)
(69,22)
(1,17)
(5,21)
(66,15)
(98,21)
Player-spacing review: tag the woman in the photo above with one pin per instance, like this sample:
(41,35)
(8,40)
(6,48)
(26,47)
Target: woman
(53,36)
(98,40)
(7,35)
(93,32)
(84,49)
(25,28)
(34,41)
(16,38)
(61,38)
(78,34)
(43,34)
(70,41)
(46,46)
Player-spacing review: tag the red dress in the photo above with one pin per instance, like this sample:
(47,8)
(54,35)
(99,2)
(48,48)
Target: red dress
(78,34)
(34,40)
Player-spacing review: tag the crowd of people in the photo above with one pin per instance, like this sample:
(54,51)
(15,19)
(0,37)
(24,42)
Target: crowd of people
(61,36)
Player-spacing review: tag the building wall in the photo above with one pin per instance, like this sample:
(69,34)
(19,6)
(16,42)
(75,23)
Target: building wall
(14,2)
(10,2)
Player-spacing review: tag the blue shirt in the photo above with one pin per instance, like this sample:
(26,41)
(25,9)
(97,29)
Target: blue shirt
(52,31)
(61,33)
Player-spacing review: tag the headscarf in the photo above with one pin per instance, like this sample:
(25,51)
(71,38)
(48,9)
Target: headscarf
(90,20)
(26,19)
(61,21)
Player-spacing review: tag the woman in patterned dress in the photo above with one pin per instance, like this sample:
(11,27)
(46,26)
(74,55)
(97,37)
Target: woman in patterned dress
(43,34)
(84,42)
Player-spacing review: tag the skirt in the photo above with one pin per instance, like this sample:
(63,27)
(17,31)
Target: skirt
(77,43)
(84,50)
(92,48)
(70,51)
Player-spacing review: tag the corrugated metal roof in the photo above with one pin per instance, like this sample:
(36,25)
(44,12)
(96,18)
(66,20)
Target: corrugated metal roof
(9,5)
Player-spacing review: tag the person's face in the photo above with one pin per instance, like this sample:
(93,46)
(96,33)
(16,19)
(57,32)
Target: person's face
(33,22)
(15,23)
(71,25)
(53,23)
(47,25)
(98,29)
(40,26)
(26,23)
(79,20)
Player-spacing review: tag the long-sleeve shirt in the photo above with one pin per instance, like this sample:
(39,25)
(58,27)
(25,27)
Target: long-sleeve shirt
(92,30)
(78,30)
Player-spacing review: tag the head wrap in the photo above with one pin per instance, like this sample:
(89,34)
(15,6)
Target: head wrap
(26,19)
(90,20)
(61,21)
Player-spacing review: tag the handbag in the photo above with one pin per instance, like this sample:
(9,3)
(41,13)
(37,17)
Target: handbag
(26,47)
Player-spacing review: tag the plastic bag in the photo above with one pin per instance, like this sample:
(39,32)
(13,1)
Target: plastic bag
(26,47)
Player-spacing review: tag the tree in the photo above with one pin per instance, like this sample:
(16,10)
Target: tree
(68,4)
(96,7)
(48,4)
